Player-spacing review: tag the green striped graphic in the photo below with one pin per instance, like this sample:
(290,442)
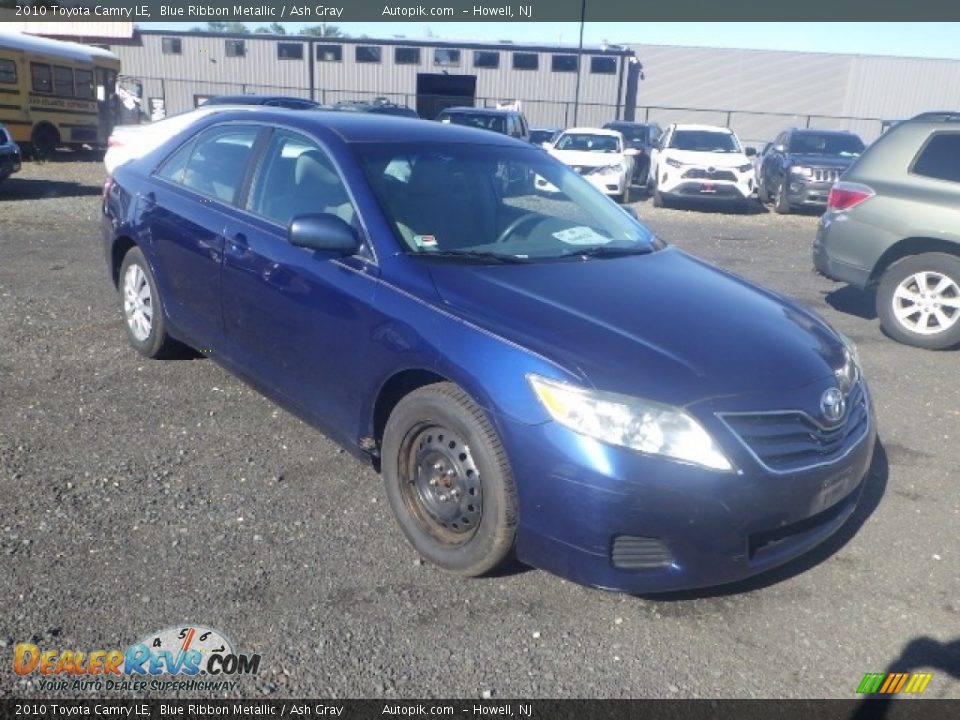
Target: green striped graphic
(870,683)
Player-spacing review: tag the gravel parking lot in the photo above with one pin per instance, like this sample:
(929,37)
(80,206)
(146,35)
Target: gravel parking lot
(139,495)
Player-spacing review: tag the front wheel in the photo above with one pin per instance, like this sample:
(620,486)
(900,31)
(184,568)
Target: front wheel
(781,201)
(448,481)
(918,301)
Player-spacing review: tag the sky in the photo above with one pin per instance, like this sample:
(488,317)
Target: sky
(938,40)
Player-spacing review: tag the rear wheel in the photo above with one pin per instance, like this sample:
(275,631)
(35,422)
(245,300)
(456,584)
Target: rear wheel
(918,301)
(143,315)
(448,480)
(45,141)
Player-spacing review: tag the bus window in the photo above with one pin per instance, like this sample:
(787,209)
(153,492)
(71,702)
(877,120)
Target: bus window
(62,80)
(42,82)
(8,72)
(84,79)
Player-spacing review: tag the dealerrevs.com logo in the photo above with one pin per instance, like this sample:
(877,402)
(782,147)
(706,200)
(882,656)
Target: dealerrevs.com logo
(197,657)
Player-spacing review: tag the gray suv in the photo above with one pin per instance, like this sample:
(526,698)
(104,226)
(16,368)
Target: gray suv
(893,223)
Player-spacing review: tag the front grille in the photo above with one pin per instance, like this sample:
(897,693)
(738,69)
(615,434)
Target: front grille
(787,441)
(583,169)
(826,174)
(634,552)
(709,174)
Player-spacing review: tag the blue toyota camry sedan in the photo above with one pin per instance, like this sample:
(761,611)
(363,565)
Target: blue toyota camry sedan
(533,374)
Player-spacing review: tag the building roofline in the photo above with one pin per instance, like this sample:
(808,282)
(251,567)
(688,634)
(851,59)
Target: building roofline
(611,50)
(635,46)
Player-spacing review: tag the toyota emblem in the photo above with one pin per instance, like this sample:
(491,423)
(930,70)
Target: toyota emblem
(832,405)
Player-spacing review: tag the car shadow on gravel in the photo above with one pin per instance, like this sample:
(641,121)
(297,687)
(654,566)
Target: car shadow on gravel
(852,301)
(22,189)
(874,488)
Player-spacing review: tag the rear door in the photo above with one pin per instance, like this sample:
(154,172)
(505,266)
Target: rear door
(185,207)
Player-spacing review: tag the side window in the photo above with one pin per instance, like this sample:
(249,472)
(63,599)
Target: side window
(940,158)
(174,167)
(8,71)
(219,160)
(296,178)
(42,78)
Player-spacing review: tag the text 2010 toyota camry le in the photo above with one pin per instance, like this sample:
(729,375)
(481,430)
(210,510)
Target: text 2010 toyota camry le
(534,374)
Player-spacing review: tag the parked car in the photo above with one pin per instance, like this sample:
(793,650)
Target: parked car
(9,154)
(893,223)
(379,106)
(484,350)
(700,161)
(539,136)
(283,101)
(505,122)
(600,156)
(802,165)
(128,142)
(640,138)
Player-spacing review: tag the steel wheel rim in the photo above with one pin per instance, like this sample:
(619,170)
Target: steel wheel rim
(137,302)
(440,484)
(927,302)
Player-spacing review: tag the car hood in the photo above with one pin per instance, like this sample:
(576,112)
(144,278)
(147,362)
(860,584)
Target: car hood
(709,159)
(827,161)
(664,326)
(586,158)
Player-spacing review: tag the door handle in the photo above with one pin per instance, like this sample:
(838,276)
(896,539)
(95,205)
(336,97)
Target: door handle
(238,242)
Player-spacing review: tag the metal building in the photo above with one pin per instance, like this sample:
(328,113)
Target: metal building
(761,92)
(178,70)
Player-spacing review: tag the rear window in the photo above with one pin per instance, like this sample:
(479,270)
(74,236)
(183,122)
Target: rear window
(940,158)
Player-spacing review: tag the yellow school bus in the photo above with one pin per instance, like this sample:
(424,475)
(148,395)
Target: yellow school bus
(55,94)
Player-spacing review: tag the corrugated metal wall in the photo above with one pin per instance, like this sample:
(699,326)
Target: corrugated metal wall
(203,68)
(820,88)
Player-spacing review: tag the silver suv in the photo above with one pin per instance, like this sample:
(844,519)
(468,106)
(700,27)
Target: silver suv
(893,222)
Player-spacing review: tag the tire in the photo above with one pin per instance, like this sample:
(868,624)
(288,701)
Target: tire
(781,203)
(438,443)
(931,322)
(143,315)
(45,141)
(762,195)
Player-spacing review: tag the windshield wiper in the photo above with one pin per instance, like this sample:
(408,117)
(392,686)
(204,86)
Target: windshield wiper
(471,255)
(602,251)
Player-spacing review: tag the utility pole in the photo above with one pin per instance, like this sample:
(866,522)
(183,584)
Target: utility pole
(576,96)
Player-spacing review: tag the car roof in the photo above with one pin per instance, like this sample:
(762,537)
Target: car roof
(360,127)
(479,111)
(251,99)
(592,131)
(613,124)
(815,131)
(708,128)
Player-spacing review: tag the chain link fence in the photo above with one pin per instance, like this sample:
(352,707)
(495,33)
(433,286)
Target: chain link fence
(753,127)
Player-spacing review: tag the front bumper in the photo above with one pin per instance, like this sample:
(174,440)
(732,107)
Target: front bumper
(805,193)
(609,184)
(9,163)
(616,519)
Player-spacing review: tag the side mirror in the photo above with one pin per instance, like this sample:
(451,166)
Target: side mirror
(779,148)
(323,232)
(750,151)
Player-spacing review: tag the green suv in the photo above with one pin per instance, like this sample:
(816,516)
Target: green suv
(893,223)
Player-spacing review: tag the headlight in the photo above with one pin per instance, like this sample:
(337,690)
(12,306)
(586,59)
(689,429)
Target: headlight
(800,170)
(745,168)
(630,422)
(673,163)
(610,169)
(848,375)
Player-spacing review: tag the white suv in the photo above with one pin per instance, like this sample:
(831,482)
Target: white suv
(700,161)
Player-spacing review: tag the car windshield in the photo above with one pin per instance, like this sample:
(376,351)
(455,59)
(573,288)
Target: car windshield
(587,142)
(488,203)
(705,141)
(634,134)
(541,136)
(811,144)
(477,120)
